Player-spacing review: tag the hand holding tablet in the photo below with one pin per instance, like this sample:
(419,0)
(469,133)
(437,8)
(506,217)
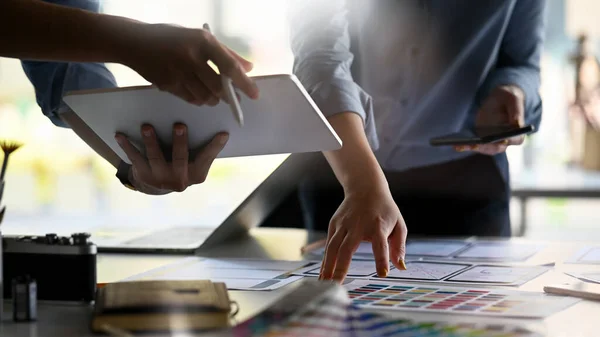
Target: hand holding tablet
(160,174)
(284,119)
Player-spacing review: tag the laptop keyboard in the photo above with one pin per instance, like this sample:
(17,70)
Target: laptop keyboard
(178,236)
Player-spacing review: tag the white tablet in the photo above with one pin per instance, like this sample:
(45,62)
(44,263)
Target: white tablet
(284,119)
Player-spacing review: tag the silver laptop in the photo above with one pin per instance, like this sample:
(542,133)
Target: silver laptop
(249,214)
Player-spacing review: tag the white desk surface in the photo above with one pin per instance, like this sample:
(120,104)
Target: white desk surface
(64,321)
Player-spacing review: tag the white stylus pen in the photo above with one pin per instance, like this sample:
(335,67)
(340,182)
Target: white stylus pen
(230,92)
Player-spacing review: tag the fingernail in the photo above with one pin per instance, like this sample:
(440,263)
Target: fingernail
(383,272)
(256,92)
(223,139)
(402,264)
(118,139)
(179,131)
(147,132)
(517,121)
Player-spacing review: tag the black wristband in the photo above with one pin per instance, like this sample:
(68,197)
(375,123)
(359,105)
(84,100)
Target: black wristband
(123,175)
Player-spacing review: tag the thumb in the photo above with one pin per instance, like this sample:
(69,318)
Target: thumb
(204,159)
(515,109)
(397,244)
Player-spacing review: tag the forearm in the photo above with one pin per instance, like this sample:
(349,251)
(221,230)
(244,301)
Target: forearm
(354,165)
(519,56)
(35,30)
(320,42)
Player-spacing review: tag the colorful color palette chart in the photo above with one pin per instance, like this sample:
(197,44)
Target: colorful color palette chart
(488,302)
(332,319)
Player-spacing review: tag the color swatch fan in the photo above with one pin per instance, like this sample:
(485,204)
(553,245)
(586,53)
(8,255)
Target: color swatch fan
(334,316)
(486,302)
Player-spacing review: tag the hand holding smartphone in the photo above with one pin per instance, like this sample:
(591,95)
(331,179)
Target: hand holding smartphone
(481,135)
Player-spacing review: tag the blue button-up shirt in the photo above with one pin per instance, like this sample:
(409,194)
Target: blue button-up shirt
(416,69)
(51,80)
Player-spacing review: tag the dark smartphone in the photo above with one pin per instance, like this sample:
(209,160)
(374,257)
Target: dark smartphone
(481,135)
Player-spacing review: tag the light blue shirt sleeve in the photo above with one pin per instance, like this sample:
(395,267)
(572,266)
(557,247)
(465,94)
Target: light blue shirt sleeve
(519,56)
(320,42)
(51,80)
(424,69)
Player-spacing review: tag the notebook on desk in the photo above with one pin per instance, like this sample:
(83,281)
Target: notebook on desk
(161,306)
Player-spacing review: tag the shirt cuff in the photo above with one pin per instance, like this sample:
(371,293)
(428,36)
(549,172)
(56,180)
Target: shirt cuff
(341,95)
(526,79)
(82,76)
(51,80)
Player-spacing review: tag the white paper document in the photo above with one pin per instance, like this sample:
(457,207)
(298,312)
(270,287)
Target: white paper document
(457,250)
(435,248)
(440,272)
(364,251)
(499,274)
(586,255)
(416,270)
(593,277)
(427,271)
(499,251)
(357,268)
(237,274)
(424,248)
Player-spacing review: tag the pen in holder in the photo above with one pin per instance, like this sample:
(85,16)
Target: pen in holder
(7,148)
